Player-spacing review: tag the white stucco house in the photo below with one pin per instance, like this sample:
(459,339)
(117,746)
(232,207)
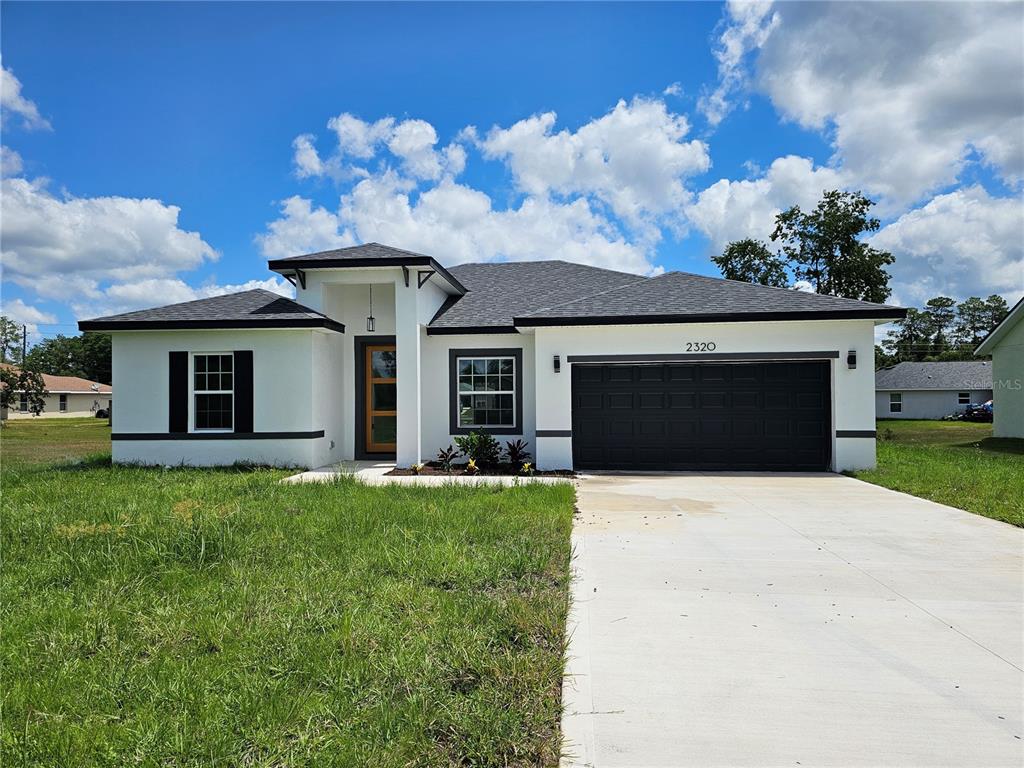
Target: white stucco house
(66,396)
(911,390)
(387,354)
(1006,346)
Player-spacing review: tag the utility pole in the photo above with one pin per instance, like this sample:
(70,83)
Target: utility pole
(24,343)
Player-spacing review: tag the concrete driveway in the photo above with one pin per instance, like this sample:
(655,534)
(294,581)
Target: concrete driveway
(767,620)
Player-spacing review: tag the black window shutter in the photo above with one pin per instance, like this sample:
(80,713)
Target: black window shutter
(243,390)
(178,392)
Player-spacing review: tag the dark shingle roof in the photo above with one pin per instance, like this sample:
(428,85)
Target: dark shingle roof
(248,309)
(683,297)
(497,292)
(960,375)
(366,255)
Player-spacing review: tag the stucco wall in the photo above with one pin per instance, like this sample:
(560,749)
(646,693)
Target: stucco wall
(79,405)
(926,404)
(852,390)
(284,369)
(1008,383)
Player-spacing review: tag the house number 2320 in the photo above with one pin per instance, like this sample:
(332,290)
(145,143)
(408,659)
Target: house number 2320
(700,346)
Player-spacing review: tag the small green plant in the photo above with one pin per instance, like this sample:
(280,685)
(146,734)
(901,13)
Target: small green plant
(527,469)
(471,468)
(446,458)
(417,467)
(479,446)
(516,451)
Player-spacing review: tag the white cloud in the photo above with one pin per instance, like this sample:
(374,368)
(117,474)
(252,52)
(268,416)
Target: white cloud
(27,315)
(307,160)
(960,244)
(675,89)
(358,138)
(749,24)
(733,210)
(92,239)
(907,93)
(12,102)
(634,158)
(10,162)
(303,229)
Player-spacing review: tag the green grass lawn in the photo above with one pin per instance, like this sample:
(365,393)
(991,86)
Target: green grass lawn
(952,462)
(41,441)
(216,617)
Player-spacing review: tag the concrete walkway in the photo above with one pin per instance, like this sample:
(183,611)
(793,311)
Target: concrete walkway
(376,473)
(811,620)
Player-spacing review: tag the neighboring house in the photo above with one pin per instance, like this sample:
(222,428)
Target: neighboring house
(1006,346)
(386,354)
(931,390)
(66,396)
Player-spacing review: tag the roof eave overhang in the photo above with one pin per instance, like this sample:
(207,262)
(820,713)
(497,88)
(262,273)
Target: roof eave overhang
(288,266)
(202,325)
(990,341)
(893,313)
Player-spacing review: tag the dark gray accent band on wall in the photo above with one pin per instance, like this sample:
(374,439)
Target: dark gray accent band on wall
(177,392)
(453,390)
(217,435)
(855,433)
(554,433)
(243,391)
(719,357)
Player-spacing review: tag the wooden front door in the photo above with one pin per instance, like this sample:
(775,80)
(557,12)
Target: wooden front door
(381,398)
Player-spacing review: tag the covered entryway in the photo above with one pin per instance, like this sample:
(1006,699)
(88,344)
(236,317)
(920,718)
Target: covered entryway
(772,416)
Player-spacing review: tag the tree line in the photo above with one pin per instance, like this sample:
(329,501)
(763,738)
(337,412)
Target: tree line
(822,250)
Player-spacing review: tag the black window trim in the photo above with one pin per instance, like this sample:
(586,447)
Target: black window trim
(453,389)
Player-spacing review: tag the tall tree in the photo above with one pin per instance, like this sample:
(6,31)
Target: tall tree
(972,321)
(823,247)
(10,340)
(752,262)
(941,312)
(87,356)
(17,381)
(910,339)
(996,308)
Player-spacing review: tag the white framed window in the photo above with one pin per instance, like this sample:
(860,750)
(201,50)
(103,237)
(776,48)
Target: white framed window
(895,402)
(963,398)
(23,402)
(486,391)
(63,403)
(213,391)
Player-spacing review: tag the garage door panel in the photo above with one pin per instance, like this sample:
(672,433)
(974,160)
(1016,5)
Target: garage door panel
(746,416)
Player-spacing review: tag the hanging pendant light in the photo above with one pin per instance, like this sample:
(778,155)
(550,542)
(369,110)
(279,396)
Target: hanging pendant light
(371,324)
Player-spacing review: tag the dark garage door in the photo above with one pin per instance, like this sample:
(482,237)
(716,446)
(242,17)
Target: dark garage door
(720,416)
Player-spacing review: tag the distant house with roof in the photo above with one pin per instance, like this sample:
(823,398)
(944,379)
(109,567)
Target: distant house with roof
(1006,345)
(65,396)
(931,390)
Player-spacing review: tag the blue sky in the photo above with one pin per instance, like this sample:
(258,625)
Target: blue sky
(153,152)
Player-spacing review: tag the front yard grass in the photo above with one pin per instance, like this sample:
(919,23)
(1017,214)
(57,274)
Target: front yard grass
(44,440)
(952,462)
(216,617)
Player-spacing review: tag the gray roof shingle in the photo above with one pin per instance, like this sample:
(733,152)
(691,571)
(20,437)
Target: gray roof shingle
(959,375)
(248,309)
(684,297)
(497,292)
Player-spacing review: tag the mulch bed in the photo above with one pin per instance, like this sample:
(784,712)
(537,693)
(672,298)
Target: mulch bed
(501,470)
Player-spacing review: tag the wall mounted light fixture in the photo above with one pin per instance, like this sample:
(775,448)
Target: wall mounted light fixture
(558,364)
(371,324)
(851,358)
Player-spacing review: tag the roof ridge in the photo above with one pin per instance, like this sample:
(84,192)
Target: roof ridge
(590,295)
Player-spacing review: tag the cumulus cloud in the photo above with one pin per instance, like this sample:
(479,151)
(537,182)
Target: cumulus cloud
(733,210)
(963,243)
(908,94)
(749,24)
(635,158)
(10,162)
(412,143)
(27,315)
(13,103)
(303,229)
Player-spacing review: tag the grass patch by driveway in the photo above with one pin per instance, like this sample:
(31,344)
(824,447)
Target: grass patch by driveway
(952,462)
(216,617)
